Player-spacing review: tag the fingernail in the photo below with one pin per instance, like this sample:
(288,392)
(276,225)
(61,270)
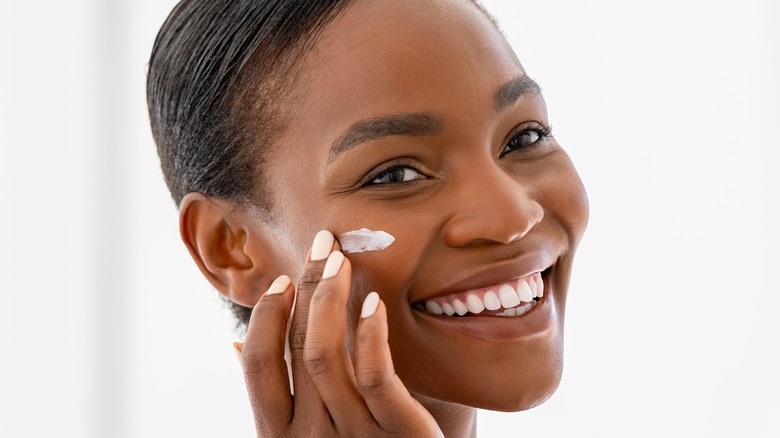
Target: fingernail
(323,243)
(441,434)
(239,347)
(369,305)
(279,285)
(333,264)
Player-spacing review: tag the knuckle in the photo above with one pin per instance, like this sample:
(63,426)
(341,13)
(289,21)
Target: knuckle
(257,361)
(318,359)
(310,279)
(297,339)
(373,383)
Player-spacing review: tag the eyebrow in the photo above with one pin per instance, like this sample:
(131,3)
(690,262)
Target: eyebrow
(513,90)
(408,124)
(422,124)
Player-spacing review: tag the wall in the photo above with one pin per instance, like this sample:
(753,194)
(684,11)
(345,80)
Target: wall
(669,110)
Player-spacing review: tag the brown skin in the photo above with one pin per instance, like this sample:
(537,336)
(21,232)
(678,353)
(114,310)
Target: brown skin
(473,215)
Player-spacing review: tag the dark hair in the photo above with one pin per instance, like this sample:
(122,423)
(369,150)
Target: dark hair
(216,75)
(209,129)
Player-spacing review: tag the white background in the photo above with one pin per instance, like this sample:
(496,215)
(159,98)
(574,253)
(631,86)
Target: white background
(670,110)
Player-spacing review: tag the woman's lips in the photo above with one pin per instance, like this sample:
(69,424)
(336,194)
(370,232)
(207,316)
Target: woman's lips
(510,298)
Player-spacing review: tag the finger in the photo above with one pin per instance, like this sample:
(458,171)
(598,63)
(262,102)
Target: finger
(325,354)
(304,389)
(262,358)
(387,398)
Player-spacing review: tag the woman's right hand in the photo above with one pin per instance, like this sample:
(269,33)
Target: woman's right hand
(333,397)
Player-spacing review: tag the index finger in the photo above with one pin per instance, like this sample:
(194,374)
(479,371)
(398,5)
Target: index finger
(303,387)
(262,358)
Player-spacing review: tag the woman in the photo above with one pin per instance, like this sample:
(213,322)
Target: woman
(280,121)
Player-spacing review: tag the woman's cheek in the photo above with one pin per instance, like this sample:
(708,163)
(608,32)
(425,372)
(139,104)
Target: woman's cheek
(570,201)
(389,271)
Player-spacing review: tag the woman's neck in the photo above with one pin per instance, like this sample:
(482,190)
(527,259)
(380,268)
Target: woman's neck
(456,421)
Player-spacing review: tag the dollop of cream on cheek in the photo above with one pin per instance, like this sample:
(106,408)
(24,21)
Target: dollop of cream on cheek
(364,240)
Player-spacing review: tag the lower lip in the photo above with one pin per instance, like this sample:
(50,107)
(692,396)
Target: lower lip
(538,320)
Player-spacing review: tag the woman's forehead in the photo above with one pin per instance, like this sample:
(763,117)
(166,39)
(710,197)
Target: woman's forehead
(388,56)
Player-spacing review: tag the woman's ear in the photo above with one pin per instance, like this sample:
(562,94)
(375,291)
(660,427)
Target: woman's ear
(230,245)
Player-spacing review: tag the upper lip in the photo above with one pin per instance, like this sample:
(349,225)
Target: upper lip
(494,275)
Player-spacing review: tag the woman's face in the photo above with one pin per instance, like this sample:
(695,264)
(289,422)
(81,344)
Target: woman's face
(416,118)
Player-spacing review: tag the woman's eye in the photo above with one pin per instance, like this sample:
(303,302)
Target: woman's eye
(396,175)
(524,139)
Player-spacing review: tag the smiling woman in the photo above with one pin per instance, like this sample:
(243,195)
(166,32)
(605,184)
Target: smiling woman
(280,121)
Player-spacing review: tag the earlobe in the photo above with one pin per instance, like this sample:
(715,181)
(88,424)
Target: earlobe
(226,244)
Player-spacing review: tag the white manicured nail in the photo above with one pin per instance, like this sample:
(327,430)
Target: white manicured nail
(370,305)
(333,265)
(279,285)
(323,243)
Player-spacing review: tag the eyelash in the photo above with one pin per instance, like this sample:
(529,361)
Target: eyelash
(543,132)
(386,171)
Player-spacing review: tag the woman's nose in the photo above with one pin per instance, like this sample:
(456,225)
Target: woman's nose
(490,207)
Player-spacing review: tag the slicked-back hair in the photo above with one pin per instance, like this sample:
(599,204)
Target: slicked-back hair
(215,72)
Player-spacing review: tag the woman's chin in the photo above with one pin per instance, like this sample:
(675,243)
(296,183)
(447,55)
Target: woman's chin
(516,396)
(526,387)
(521,399)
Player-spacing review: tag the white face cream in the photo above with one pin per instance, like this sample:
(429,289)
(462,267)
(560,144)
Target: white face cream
(363,240)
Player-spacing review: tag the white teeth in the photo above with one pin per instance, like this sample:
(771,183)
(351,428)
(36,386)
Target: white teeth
(539,286)
(525,292)
(515,303)
(474,304)
(433,307)
(525,308)
(460,307)
(491,301)
(508,296)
